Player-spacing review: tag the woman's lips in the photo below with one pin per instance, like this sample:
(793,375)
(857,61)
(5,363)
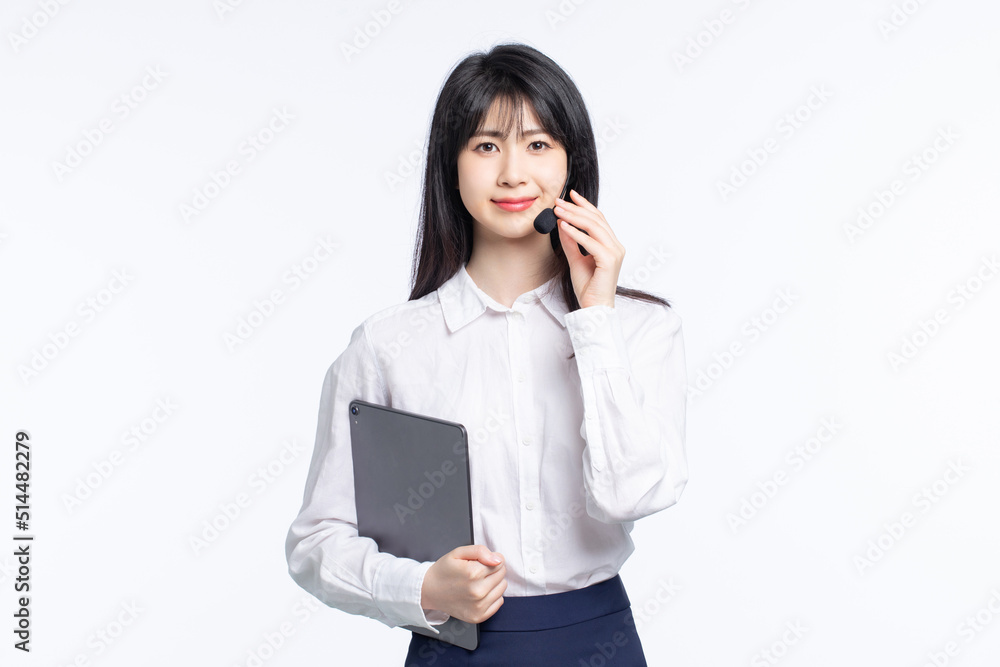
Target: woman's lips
(515,205)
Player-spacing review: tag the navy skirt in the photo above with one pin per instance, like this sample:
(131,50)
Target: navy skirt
(589,627)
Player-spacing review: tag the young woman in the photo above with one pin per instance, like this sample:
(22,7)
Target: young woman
(572,390)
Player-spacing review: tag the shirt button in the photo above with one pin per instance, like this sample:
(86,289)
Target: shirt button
(526,440)
(533,569)
(520,377)
(530,506)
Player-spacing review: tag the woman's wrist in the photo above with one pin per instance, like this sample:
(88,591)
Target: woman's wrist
(426,595)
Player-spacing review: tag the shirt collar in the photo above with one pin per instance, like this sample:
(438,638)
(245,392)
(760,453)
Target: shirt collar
(462,301)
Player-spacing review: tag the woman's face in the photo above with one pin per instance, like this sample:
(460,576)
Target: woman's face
(494,170)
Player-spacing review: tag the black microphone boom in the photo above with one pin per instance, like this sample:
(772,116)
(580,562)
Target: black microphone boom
(545,221)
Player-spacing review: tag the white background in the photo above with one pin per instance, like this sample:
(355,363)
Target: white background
(896,77)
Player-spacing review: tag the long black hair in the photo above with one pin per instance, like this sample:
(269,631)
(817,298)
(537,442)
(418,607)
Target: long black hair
(513,75)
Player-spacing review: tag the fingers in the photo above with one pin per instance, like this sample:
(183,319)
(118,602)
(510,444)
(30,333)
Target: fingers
(587,220)
(575,229)
(494,600)
(579,202)
(490,558)
(477,552)
(492,609)
(597,216)
(572,212)
(582,201)
(500,574)
(582,238)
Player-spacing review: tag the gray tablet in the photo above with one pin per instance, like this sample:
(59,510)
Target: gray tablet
(412,491)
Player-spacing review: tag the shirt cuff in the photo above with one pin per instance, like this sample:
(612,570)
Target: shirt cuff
(597,338)
(397,594)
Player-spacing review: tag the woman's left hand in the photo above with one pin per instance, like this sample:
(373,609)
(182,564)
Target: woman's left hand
(595,278)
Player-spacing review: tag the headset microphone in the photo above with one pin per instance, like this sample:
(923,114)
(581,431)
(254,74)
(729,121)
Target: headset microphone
(545,221)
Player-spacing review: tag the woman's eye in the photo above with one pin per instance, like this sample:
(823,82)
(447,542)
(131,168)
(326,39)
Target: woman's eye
(536,145)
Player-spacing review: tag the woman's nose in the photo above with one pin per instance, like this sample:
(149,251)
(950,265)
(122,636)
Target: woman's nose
(511,172)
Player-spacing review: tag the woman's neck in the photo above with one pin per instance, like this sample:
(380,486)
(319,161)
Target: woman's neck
(507,275)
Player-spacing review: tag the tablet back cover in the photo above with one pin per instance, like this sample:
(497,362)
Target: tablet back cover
(412,491)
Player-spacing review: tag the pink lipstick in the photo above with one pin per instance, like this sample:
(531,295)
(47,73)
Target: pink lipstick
(514,204)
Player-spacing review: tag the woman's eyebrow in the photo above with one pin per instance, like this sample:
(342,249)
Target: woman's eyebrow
(498,135)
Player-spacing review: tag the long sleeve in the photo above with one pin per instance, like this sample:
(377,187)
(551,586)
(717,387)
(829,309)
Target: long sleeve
(634,402)
(326,556)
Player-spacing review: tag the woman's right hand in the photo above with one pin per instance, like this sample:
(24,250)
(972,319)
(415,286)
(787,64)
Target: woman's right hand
(467,583)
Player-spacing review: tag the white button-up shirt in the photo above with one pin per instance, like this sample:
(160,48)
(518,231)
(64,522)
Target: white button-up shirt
(564,453)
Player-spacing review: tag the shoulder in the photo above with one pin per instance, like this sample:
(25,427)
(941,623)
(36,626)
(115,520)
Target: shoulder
(376,343)
(401,320)
(383,331)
